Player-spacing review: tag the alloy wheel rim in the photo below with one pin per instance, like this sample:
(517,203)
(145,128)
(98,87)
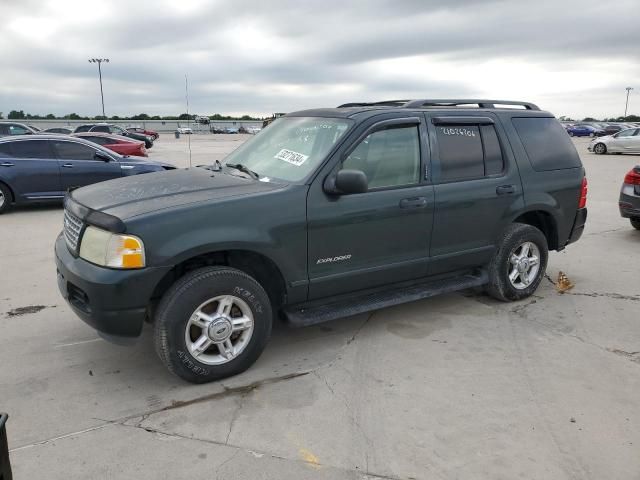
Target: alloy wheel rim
(524,265)
(219,330)
(599,148)
(1,199)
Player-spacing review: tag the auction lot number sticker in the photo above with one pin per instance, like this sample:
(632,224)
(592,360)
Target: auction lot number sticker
(289,156)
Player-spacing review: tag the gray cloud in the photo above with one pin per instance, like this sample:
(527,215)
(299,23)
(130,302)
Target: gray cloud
(259,57)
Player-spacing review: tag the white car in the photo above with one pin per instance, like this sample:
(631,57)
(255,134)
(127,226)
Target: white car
(185,130)
(625,141)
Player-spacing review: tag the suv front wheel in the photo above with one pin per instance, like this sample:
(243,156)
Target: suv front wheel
(518,264)
(212,323)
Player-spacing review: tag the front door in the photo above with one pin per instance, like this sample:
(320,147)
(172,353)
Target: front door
(363,240)
(79,165)
(477,189)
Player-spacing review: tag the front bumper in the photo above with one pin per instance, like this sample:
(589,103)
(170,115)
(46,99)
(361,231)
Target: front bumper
(114,302)
(629,202)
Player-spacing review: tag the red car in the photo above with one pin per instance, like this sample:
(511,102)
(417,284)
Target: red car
(149,133)
(117,143)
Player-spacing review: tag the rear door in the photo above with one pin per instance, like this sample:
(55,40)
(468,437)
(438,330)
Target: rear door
(30,168)
(477,188)
(80,166)
(626,141)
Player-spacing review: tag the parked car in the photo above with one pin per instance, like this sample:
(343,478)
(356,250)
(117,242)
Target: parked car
(13,128)
(149,133)
(185,130)
(325,214)
(117,143)
(59,130)
(253,130)
(629,202)
(116,130)
(612,128)
(44,167)
(625,141)
(215,129)
(583,130)
(231,130)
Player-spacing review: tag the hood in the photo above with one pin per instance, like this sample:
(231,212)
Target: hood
(130,196)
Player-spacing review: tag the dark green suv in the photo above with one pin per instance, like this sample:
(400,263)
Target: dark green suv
(326,213)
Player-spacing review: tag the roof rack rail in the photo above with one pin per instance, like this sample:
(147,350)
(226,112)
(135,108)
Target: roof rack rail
(425,103)
(384,103)
(479,103)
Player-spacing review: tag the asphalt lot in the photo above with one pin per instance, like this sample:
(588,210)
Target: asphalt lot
(458,386)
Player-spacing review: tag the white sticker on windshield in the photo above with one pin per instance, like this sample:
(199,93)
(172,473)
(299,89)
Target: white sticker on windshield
(289,156)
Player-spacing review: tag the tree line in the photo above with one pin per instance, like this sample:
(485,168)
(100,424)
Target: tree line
(20,115)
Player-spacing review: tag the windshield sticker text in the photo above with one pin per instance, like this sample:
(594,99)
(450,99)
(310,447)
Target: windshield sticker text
(459,131)
(289,156)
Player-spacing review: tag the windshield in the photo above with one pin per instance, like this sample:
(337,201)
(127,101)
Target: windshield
(291,147)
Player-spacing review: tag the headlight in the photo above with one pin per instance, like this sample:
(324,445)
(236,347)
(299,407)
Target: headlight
(112,250)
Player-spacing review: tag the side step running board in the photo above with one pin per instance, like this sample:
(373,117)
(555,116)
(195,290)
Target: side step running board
(305,314)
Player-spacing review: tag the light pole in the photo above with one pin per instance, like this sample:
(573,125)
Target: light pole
(99,62)
(628,89)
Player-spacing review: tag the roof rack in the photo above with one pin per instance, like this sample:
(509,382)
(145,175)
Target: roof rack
(426,103)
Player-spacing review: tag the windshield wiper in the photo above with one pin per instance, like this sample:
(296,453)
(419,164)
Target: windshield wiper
(244,169)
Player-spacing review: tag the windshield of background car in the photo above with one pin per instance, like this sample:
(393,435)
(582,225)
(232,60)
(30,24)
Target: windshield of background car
(291,147)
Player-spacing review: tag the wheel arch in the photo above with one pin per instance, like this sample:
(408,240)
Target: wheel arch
(543,221)
(257,265)
(12,194)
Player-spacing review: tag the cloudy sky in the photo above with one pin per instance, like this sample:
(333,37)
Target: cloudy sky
(571,57)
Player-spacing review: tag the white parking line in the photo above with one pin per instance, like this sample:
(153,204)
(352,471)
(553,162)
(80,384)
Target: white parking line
(77,343)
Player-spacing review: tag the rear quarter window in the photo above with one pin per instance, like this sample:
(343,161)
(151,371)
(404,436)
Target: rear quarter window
(546,143)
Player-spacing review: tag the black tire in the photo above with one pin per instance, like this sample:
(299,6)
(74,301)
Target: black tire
(500,287)
(182,300)
(571,134)
(635,223)
(5,198)
(601,147)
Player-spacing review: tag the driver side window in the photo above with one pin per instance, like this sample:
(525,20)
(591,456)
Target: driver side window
(388,158)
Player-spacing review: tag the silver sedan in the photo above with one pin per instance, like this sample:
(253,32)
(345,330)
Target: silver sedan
(625,141)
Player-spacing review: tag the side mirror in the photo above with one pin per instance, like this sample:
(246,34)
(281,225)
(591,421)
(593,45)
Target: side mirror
(346,182)
(102,156)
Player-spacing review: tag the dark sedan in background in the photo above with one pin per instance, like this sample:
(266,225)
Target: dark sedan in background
(583,130)
(13,128)
(629,202)
(39,168)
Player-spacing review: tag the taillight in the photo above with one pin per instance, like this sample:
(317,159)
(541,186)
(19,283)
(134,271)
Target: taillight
(633,177)
(583,193)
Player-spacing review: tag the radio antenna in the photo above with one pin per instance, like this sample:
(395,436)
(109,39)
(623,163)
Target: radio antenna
(186,96)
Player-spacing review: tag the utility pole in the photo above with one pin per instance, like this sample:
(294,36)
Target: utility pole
(628,89)
(99,62)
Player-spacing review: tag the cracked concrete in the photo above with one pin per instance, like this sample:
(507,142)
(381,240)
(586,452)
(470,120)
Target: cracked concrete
(459,386)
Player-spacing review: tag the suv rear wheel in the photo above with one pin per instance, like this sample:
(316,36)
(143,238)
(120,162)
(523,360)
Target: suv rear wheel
(635,223)
(518,264)
(212,323)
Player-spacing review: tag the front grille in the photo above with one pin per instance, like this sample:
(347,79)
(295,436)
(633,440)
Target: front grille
(72,230)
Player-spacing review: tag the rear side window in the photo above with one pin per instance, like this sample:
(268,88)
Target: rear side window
(83,128)
(31,149)
(468,151)
(5,150)
(547,144)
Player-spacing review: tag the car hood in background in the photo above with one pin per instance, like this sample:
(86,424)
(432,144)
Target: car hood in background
(139,194)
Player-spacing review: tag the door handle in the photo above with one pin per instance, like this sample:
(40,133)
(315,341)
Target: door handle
(6,164)
(414,202)
(505,190)
(68,165)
